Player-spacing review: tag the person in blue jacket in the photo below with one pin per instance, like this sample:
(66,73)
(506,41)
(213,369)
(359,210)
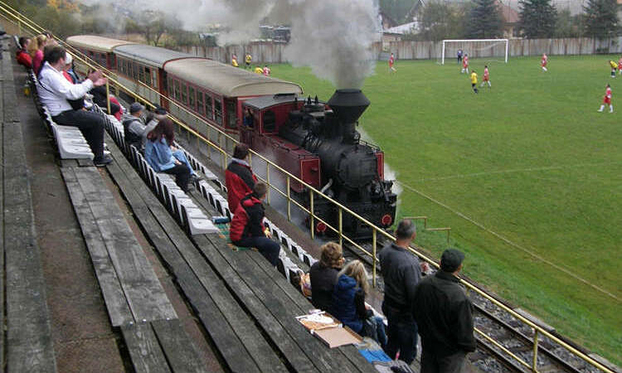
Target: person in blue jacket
(162,156)
(349,303)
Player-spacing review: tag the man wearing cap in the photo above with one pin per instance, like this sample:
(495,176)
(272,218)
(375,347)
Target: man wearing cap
(444,315)
(401,272)
(133,126)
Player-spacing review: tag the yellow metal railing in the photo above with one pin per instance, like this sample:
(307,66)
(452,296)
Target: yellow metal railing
(16,17)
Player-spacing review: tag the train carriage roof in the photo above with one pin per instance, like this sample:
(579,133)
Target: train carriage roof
(96,43)
(227,80)
(148,54)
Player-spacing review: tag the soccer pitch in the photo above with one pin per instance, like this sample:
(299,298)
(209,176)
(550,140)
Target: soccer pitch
(528,175)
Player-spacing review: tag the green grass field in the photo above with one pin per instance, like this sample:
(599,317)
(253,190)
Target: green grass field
(527,174)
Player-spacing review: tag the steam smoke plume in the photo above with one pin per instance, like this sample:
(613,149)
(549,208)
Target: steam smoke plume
(332,37)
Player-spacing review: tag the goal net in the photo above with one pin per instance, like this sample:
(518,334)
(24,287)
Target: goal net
(489,49)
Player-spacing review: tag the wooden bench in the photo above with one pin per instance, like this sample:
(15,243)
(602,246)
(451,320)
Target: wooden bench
(29,345)
(233,333)
(275,308)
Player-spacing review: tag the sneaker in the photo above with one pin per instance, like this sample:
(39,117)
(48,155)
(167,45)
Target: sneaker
(101,162)
(195,179)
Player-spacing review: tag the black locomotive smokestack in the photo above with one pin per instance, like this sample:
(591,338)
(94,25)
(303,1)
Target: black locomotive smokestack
(348,105)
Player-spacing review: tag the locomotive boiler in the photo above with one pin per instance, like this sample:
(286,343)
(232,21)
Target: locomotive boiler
(352,171)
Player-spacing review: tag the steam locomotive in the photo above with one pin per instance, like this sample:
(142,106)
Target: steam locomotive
(319,142)
(313,140)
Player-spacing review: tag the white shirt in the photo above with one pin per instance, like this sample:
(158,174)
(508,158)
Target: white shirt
(54,90)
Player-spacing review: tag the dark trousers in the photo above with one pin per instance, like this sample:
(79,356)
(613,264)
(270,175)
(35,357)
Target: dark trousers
(431,363)
(267,247)
(182,175)
(401,333)
(90,124)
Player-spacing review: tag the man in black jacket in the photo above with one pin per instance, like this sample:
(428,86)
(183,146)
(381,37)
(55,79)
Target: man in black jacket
(401,272)
(444,315)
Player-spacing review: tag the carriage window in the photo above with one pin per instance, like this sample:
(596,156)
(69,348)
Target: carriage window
(134,71)
(191,98)
(141,74)
(200,107)
(148,76)
(209,106)
(232,120)
(269,121)
(154,78)
(218,110)
(177,90)
(184,94)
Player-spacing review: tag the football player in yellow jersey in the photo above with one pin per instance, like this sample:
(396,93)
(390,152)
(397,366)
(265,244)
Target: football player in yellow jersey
(474,81)
(248,59)
(258,70)
(614,66)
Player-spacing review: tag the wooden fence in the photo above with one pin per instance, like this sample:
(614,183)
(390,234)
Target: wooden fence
(269,53)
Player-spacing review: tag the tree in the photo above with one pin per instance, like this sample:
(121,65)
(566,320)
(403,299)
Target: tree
(601,19)
(485,20)
(440,20)
(537,18)
(569,26)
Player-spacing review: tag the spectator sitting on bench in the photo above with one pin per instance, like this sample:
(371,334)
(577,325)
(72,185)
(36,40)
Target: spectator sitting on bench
(67,67)
(247,228)
(55,90)
(36,52)
(239,177)
(323,275)
(158,114)
(162,156)
(133,126)
(349,303)
(22,56)
(99,97)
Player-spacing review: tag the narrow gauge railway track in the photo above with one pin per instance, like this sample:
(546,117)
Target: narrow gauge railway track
(504,329)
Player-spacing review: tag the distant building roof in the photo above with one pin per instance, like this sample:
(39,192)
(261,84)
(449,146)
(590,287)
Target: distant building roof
(406,28)
(511,15)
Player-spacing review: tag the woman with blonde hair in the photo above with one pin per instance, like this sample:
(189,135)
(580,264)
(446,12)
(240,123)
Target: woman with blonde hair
(36,52)
(324,275)
(349,303)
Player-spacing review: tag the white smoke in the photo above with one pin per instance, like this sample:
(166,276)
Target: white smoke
(333,37)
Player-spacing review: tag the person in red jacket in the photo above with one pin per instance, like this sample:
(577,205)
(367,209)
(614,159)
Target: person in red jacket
(22,56)
(247,228)
(239,177)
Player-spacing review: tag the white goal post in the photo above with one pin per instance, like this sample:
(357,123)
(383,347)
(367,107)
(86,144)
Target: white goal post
(466,42)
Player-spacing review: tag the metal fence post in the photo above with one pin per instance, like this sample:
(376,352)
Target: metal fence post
(108,97)
(534,367)
(289,201)
(340,226)
(373,246)
(311,218)
(268,181)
